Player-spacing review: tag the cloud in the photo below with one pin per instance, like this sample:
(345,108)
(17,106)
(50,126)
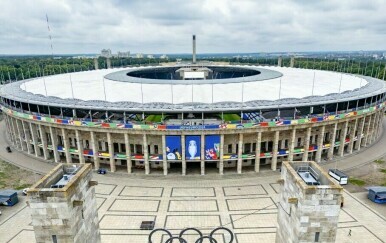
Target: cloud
(81,26)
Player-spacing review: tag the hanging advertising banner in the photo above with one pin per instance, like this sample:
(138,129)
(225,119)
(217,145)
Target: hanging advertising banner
(173,147)
(212,147)
(193,147)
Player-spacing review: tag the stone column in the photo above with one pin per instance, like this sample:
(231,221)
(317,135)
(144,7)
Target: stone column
(34,135)
(146,155)
(221,163)
(80,146)
(274,152)
(292,145)
(257,152)
(318,156)
(183,160)
(239,154)
(330,154)
(343,139)
(380,122)
(307,144)
(128,153)
(202,154)
(95,150)
(54,143)
(366,139)
(8,129)
(164,158)
(21,137)
(376,126)
(66,144)
(15,133)
(43,137)
(360,132)
(352,136)
(111,152)
(27,136)
(372,128)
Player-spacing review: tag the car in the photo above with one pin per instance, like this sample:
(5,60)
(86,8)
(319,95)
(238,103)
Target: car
(25,191)
(8,149)
(102,171)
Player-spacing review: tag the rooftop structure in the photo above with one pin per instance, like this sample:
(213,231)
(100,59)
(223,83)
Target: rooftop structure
(63,205)
(309,204)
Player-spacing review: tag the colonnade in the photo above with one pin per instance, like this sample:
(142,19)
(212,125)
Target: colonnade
(330,138)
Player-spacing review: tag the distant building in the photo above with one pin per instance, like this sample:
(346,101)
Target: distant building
(150,56)
(106,53)
(164,57)
(123,54)
(139,55)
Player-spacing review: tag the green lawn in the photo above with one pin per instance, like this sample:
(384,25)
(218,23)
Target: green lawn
(154,118)
(231,117)
(356,181)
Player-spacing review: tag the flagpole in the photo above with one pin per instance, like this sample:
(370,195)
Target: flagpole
(72,89)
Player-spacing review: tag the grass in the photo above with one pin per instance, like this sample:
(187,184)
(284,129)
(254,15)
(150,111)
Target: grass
(13,177)
(383,170)
(154,118)
(356,181)
(379,161)
(231,117)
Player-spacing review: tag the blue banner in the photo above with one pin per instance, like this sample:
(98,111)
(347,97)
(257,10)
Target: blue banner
(193,147)
(173,147)
(212,147)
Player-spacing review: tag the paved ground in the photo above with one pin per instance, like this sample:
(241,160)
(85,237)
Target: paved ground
(243,203)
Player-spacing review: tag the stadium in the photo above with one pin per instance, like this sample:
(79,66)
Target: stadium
(192,118)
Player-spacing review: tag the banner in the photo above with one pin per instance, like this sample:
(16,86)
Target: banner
(173,147)
(212,147)
(192,147)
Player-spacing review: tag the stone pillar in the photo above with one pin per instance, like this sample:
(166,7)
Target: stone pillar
(96,64)
(274,152)
(292,145)
(21,136)
(111,152)
(15,133)
(307,144)
(8,129)
(366,139)
(343,139)
(95,150)
(279,61)
(80,146)
(374,127)
(380,122)
(183,160)
(352,136)
(257,152)
(202,154)
(164,158)
(330,153)
(318,156)
(239,154)
(54,143)
(43,137)
(221,163)
(128,153)
(27,136)
(360,132)
(292,63)
(146,155)
(34,135)
(66,144)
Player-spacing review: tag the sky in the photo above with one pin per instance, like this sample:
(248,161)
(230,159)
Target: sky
(166,26)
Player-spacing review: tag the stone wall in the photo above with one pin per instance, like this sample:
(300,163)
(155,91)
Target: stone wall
(68,213)
(307,213)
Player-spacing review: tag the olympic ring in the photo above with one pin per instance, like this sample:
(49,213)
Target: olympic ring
(200,238)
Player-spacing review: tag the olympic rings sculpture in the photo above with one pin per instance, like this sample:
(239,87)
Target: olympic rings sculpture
(200,239)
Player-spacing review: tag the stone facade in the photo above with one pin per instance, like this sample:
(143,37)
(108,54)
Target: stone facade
(67,214)
(307,213)
(251,148)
